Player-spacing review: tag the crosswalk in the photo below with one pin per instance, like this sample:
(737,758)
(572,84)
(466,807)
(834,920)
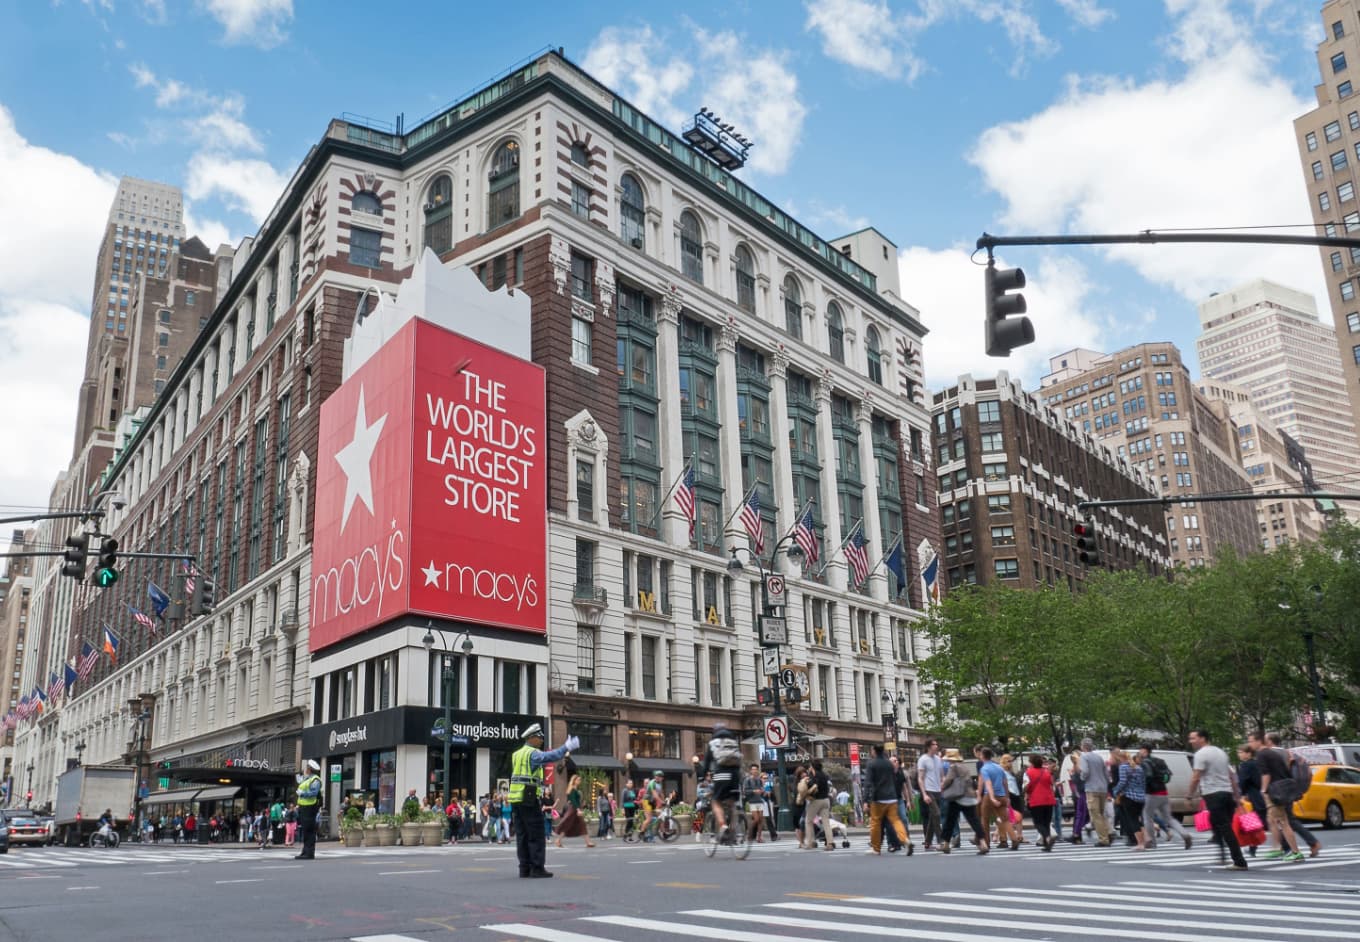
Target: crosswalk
(1173,856)
(1243,908)
(61,858)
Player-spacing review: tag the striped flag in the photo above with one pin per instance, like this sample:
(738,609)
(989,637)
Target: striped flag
(111,643)
(89,656)
(190,572)
(805,535)
(141,617)
(930,579)
(22,709)
(56,686)
(684,496)
(856,551)
(754,525)
(39,700)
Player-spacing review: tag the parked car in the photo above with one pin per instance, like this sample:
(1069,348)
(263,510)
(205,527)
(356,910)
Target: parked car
(26,827)
(4,836)
(1330,753)
(1333,798)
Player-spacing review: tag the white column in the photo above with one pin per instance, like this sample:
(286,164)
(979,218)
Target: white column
(674,528)
(777,371)
(868,471)
(830,503)
(730,435)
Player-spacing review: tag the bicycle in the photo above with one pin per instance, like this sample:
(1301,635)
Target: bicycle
(734,835)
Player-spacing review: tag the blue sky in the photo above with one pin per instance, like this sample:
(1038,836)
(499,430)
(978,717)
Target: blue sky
(931,119)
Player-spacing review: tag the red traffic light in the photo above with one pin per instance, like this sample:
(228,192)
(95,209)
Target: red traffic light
(1082,529)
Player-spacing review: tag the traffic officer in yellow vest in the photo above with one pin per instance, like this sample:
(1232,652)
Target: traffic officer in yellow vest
(526,780)
(309,803)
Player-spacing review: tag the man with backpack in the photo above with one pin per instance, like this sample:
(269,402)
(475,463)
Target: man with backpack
(722,760)
(1157,808)
(1300,774)
(1278,786)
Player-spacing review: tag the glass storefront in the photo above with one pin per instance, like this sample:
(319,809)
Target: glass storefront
(380,778)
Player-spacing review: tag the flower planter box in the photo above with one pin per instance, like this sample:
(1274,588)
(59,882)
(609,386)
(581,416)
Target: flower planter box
(352,838)
(432,833)
(410,835)
(385,834)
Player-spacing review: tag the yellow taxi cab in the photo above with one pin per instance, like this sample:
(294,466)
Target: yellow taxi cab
(1333,798)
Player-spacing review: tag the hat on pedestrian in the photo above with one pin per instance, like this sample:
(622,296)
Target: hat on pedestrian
(952,755)
(313,765)
(533,730)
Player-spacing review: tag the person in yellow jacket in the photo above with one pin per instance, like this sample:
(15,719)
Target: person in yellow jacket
(309,804)
(526,781)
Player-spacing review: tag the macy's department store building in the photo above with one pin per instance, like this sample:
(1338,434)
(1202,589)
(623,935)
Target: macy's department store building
(429,567)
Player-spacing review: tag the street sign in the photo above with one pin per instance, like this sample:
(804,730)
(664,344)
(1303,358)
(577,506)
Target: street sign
(774,590)
(854,757)
(776,732)
(774,630)
(769,661)
(787,677)
(335,773)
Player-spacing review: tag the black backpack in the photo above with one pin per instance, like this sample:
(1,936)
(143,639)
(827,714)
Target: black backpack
(1158,773)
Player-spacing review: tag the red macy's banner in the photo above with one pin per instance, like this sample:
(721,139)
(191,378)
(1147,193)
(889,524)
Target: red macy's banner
(431,495)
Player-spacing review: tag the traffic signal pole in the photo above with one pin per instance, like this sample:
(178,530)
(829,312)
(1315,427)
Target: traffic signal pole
(1168,500)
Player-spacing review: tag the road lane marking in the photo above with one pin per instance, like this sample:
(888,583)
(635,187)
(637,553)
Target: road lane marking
(707,932)
(795,923)
(814,895)
(70,888)
(542,933)
(478,869)
(402,873)
(1083,901)
(278,867)
(691,886)
(385,937)
(251,880)
(1232,892)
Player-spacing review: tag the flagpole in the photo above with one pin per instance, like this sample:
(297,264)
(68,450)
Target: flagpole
(745,497)
(832,556)
(882,559)
(661,504)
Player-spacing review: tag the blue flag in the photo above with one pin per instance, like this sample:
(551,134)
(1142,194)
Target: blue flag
(159,600)
(897,565)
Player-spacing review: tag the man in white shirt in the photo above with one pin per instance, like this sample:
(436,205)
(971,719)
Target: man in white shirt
(1213,780)
(930,770)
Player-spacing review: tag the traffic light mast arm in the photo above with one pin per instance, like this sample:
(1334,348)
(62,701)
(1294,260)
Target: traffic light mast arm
(121,555)
(55,515)
(1212,498)
(1152,236)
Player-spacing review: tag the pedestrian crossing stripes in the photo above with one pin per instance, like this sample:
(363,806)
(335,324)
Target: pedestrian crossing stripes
(65,858)
(1168,856)
(1187,911)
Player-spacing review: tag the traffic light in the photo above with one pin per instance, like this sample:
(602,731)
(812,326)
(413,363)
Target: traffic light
(1087,551)
(106,575)
(1005,333)
(765,696)
(205,596)
(77,549)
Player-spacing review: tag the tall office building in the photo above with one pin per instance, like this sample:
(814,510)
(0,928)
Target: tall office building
(1328,139)
(143,232)
(1267,339)
(1011,472)
(1141,404)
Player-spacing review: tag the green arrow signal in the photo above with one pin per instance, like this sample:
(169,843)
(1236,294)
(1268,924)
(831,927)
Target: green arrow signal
(105,576)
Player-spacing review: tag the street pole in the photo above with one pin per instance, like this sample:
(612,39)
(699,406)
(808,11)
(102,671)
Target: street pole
(1319,718)
(784,820)
(447,677)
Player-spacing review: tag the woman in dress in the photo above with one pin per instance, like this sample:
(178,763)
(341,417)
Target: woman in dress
(1040,798)
(1249,782)
(572,824)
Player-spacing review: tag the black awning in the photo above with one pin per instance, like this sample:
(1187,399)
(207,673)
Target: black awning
(583,761)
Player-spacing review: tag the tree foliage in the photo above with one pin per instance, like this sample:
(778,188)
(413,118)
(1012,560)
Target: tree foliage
(1222,647)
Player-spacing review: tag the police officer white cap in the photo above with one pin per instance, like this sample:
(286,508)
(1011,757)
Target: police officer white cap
(533,730)
(313,765)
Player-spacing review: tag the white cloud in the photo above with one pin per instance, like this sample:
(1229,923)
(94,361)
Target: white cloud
(753,89)
(43,297)
(863,34)
(946,287)
(250,186)
(212,232)
(1087,13)
(1118,156)
(257,22)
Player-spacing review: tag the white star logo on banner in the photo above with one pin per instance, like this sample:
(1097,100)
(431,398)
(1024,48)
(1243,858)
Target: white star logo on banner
(356,458)
(431,575)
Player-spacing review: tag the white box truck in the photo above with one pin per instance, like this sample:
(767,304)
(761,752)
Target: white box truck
(84,792)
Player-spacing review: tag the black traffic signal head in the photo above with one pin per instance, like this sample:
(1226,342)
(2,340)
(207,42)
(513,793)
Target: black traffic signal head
(1087,551)
(204,599)
(1003,332)
(765,696)
(77,549)
(106,575)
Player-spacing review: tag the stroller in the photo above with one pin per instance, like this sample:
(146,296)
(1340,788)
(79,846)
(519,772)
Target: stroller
(839,832)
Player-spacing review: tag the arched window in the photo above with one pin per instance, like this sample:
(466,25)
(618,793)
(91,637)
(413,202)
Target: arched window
(502,200)
(691,247)
(793,307)
(835,333)
(632,211)
(871,347)
(365,202)
(439,214)
(579,155)
(746,279)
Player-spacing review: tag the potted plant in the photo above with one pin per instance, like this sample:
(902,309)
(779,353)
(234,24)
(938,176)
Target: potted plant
(410,821)
(385,829)
(352,826)
(432,825)
(684,816)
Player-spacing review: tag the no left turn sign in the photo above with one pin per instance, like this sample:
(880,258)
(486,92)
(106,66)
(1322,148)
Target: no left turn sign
(776,732)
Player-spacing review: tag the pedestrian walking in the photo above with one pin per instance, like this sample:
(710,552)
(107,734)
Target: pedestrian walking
(930,772)
(959,791)
(309,804)
(1055,775)
(1211,778)
(572,823)
(1040,798)
(882,793)
(526,779)
(753,795)
(1280,792)
(290,825)
(1256,743)
(1080,817)
(1157,808)
(994,800)
(629,797)
(817,807)
(1249,783)
(604,807)
(1130,793)
(1095,778)
(1017,797)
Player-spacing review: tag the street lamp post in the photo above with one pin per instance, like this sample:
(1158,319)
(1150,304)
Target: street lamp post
(28,791)
(446,694)
(80,750)
(784,821)
(1320,728)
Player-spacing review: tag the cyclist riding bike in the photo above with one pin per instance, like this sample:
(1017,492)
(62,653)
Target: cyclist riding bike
(106,822)
(652,799)
(722,760)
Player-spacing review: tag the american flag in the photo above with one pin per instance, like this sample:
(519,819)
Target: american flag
(805,536)
(22,710)
(89,656)
(141,617)
(684,496)
(56,686)
(856,551)
(755,527)
(190,571)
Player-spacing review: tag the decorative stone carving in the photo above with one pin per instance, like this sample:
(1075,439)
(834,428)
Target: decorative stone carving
(559,255)
(778,366)
(670,304)
(727,336)
(825,384)
(588,431)
(604,286)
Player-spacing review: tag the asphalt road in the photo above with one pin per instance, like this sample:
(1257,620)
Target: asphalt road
(622,892)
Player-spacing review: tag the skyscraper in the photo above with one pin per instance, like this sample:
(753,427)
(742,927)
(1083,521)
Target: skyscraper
(1328,138)
(1268,339)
